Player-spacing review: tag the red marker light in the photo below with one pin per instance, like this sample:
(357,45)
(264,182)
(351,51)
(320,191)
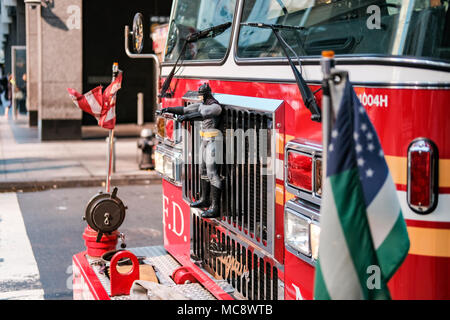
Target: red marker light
(422,176)
(299,171)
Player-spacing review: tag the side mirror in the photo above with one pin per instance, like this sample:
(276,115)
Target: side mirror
(138,33)
(137,36)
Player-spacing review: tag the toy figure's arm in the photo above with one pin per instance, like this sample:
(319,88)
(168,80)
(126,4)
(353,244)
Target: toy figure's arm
(182,110)
(193,116)
(210,111)
(173,110)
(192,108)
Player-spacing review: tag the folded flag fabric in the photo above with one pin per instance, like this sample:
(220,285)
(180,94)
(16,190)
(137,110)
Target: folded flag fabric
(108,118)
(363,238)
(91,102)
(100,105)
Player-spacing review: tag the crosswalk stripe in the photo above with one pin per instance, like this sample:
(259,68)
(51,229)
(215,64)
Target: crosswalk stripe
(18,267)
(36,294)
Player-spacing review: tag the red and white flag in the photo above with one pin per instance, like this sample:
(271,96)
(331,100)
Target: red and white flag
(101,106)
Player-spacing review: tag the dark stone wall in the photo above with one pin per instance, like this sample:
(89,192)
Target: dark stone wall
(16,34)
(59,129)
(103,44)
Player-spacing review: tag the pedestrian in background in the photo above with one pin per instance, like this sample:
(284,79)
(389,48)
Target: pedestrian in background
(5,93)
(24,91)
(20,91)
(2,91)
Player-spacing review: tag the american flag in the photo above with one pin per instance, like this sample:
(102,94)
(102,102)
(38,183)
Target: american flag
(100,105)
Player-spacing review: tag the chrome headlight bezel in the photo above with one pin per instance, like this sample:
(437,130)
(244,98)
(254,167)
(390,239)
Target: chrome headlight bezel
(168,164)
(300,147)
(296,228)
(307,214)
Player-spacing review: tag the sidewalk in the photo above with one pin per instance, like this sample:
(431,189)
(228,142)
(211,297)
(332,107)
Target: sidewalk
(28,164)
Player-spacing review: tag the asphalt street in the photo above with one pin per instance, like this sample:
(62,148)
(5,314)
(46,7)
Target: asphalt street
(52,233)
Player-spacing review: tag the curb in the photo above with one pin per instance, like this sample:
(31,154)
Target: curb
(118,180)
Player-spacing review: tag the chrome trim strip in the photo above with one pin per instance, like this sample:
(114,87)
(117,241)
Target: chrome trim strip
(249,103)
(414,62)
(374,85)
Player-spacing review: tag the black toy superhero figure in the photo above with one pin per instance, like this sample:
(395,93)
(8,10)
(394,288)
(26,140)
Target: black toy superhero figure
(209,112)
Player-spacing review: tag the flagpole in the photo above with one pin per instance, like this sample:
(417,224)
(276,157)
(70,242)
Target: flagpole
(327,63)
(115,72)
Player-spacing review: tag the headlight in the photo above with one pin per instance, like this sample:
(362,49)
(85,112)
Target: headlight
(168,163)
(297,232)
(302,230)
(168,167)
(159,162)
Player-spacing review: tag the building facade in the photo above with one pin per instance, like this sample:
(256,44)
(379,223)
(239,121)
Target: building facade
(73,44)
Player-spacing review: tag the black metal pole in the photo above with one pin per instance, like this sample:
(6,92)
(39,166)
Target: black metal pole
(327,64)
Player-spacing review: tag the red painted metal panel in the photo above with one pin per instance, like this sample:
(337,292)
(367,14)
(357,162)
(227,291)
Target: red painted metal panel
(176,221)
(90,278)
(299,278)
(422,277)
(177,236)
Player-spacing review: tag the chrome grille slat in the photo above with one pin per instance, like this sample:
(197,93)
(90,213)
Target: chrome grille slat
(257,178)
(253,275)
(266,151)
(245,174)
(239,169)
(255,278)
(196,179)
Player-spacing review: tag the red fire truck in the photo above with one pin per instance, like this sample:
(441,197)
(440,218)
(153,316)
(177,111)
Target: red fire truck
(264,243)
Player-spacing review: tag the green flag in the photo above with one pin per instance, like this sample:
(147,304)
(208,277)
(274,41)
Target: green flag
(363,237)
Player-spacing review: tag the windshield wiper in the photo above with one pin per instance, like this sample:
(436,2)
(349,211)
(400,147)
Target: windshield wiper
(191,37)
(208,33)
(307,95)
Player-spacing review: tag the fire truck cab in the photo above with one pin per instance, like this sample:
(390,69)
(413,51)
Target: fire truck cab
(264,244)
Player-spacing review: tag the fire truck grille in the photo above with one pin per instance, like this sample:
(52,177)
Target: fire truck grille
(247,205)
(191,178)
(253,275)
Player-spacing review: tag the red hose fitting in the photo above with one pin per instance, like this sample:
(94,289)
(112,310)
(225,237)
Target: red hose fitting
(107,243)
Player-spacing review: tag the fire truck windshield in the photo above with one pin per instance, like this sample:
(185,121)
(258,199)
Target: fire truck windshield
(415,28)
(190,17)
